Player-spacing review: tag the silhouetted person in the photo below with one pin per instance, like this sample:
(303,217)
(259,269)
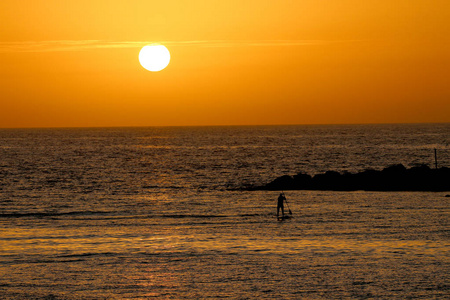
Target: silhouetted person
(280,204)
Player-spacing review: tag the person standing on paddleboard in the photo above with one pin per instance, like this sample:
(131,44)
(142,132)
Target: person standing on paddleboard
(280,204)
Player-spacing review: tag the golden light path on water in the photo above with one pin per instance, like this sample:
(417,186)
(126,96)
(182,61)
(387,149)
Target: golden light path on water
(45,242)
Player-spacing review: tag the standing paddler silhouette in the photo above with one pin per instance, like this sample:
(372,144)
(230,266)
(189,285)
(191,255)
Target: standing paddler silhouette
(280,205)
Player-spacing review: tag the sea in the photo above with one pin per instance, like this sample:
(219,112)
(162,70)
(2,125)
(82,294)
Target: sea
(165,213)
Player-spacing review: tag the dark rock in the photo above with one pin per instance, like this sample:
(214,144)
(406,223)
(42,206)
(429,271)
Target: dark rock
(284,182)
(392,178)
(302,180)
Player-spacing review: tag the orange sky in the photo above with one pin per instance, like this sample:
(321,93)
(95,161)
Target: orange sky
(75,63)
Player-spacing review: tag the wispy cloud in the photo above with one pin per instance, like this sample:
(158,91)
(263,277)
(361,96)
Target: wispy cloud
(80,45)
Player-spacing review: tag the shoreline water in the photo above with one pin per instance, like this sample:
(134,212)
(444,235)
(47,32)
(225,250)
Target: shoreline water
(337,245)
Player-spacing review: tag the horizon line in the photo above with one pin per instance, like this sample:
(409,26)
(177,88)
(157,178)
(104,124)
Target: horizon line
(218,125)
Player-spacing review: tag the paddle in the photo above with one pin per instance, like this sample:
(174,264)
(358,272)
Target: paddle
(290,212)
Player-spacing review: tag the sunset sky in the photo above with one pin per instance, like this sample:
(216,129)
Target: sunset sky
(246,62)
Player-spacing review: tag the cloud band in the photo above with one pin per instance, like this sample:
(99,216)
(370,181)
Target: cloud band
(71,45)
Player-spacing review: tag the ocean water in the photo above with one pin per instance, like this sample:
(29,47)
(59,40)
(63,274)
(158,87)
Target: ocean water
(142,213)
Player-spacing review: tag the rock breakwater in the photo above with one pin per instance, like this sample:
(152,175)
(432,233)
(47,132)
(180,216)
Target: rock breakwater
(393,178)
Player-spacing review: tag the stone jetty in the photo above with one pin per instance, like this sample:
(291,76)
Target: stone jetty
(393,178)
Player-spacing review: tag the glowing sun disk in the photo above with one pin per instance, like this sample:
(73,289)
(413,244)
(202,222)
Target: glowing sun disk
(154,57)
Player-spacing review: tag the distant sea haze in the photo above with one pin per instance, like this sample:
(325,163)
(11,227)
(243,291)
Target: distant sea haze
(163,212)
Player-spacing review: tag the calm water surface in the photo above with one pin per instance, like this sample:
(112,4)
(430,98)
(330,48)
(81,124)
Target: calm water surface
(138,213)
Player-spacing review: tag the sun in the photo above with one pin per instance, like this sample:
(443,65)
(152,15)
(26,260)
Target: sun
(154,57)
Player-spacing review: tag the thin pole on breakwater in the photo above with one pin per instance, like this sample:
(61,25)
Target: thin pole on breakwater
(435,158)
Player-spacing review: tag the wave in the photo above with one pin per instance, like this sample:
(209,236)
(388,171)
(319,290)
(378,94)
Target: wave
(179,216)
(172,187)
(87,254)
(52,214)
